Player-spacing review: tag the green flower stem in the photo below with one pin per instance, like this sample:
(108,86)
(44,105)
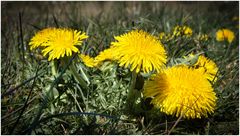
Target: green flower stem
(84,76)
(132,94)
(77,76)
(82,83)
(53,68)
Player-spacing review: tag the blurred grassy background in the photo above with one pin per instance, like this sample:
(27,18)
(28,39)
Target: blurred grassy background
(102,21)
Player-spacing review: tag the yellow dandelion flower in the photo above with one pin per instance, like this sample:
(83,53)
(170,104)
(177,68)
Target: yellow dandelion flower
(41,38)
(207,67)
(204,65)
(181,91)
(63,42)
(108,54)
(58,42)
(223,34)
(140,51)
(87,60)
(187,31)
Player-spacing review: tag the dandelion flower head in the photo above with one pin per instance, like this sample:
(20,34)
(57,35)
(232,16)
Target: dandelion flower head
(87,60)
(207,67)
(107,54)
(181,91)
(41,38)
(140,51)
(58,42)
(223,34)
